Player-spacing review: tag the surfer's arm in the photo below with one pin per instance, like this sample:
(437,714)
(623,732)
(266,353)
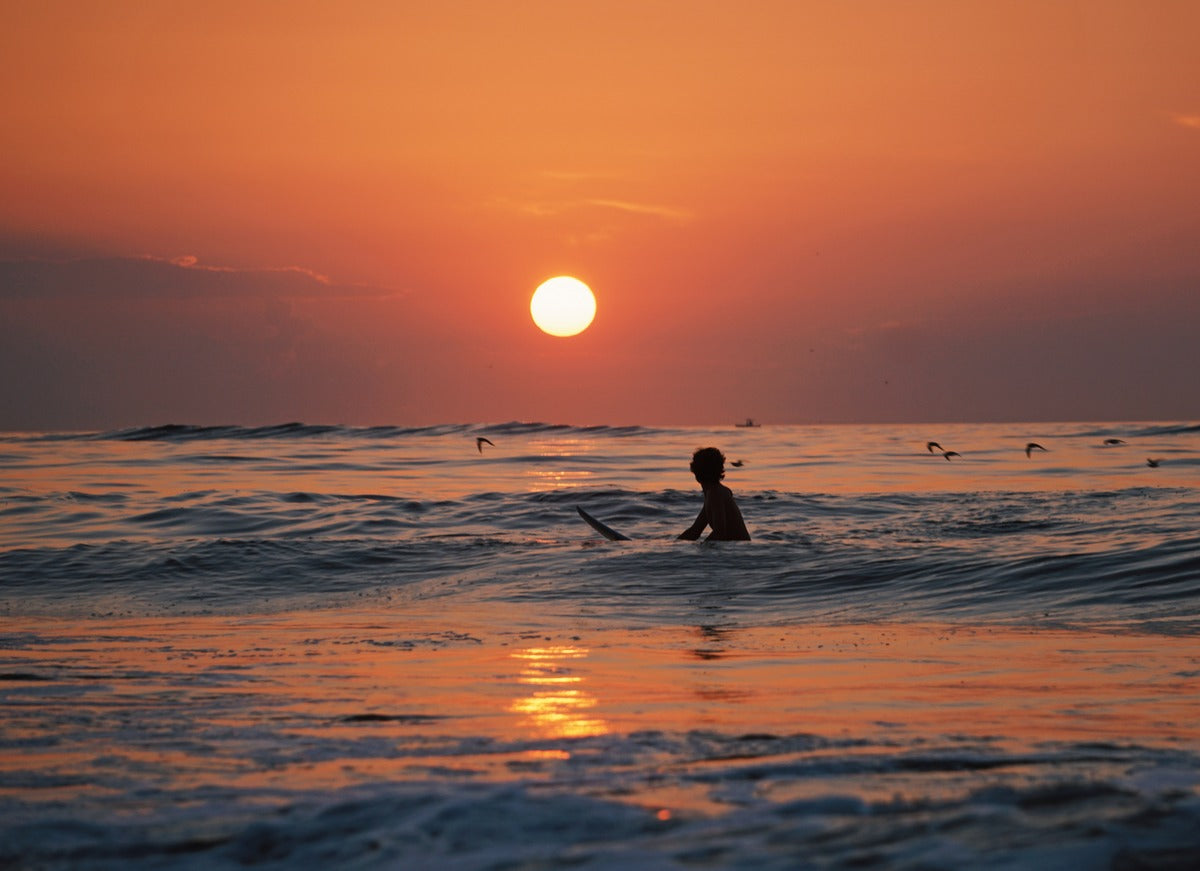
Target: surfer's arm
(693,532)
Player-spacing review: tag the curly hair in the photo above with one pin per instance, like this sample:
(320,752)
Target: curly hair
(708,464)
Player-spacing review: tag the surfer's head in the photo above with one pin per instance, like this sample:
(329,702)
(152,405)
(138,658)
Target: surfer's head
(708,465)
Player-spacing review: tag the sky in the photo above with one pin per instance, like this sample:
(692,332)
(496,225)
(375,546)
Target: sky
(802,212)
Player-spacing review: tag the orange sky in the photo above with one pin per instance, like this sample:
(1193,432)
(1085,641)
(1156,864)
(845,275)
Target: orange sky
(801,211)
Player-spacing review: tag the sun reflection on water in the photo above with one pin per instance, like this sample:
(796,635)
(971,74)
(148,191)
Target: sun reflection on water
(555,479)
(559,706)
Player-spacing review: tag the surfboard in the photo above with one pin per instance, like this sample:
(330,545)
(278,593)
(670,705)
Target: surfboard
(607,531)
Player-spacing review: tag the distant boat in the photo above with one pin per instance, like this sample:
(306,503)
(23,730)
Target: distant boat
(749,422)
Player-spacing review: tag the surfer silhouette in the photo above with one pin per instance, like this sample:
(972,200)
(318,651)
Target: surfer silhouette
(720,511)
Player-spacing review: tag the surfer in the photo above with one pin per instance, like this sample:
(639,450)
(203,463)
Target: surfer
(720,511)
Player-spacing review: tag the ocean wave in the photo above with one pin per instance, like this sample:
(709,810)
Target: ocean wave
(789,575)
(229,518)
(770,799)
(185,432)
(1034,519)
(1135,430)
(295,430)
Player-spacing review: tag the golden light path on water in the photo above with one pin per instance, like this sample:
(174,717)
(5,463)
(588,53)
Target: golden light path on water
(558,706)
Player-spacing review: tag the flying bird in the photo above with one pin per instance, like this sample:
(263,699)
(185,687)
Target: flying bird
(1114,441)
(949,454)
(737,463)
(480,441)
(931,445)
(1033,446)
(1153,464)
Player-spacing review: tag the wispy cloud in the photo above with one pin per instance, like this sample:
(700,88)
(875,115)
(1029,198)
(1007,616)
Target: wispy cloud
(1192,121)
(553,208)
(670,213)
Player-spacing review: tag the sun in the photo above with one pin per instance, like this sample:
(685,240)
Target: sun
(563,306)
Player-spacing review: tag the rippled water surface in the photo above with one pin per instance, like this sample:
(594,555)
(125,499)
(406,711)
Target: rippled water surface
(387,647)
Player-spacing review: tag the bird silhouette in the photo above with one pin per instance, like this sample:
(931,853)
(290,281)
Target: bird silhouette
(949,454)
(1033,446)
(1153,464)
(480,441)
(931,445)
(1114,441)
(738,463)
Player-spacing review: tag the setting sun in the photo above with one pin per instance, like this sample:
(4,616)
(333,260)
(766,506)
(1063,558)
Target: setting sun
(563,306)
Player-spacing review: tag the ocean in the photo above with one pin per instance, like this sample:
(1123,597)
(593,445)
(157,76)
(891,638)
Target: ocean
(304,646)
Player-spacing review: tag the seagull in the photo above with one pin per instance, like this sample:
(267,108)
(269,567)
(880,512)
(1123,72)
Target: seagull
(1114,441)
(1031,447)
(949,454)
(931,445)
(480,441)
(1153,464)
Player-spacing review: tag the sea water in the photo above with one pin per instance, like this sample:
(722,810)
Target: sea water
(389,647)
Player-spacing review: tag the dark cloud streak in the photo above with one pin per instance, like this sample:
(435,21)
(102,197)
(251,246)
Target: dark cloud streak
(98,342)
(140,277)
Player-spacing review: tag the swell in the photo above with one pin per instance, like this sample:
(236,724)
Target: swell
(294,431)
(1159,581)
(177,432)
(801,578)
(1137,430)
(1013,522)
(245,575)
